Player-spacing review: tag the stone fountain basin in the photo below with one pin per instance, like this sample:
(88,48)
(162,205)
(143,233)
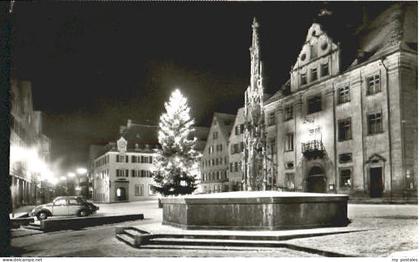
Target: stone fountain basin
(256,210)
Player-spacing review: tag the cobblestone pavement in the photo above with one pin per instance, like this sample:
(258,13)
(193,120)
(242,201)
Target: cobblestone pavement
(392,228)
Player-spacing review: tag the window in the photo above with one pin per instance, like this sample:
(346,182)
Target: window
(60,202)
(288,146)
(314,50)
(314,74)
(303,80)
(272,146)
(325,69)
(314,104)
(215,135)
(236,167)
(73,201)
(290,181)
(343,94)
(344,129)
(151,190)
(288,112)
(139,190)
(373,84)
(271,119)
(242,127)
(231,167)
(345,158)
(374,123)
(120,172)
(150,159)
(345,178)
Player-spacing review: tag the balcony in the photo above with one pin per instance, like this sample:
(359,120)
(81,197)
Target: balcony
(313,149)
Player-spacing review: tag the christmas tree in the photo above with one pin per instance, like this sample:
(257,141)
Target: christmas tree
(176,164)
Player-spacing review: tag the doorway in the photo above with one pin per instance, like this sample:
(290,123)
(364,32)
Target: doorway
(316,180)
(121,194)
(376,183)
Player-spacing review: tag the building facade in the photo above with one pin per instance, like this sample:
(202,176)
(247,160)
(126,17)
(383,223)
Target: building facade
(122,171)
(346,120)
(215,158)
(236,148)
(29,149)
(349,128)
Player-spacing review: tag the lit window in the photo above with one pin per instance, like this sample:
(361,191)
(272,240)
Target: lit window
(373,84)
(314,104)
(290,181)
(345,178)
(374,123)
(344,129)
(344,94)
(288,146)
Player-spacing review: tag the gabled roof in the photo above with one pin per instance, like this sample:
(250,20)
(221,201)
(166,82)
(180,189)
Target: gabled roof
(395,27)
(140,134)
(201,133)
(226,122)
(280,93)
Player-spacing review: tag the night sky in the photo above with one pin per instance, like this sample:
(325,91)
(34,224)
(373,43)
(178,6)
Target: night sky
(93,65)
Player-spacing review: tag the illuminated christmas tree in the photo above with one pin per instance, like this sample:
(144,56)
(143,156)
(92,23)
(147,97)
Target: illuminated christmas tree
(177,161)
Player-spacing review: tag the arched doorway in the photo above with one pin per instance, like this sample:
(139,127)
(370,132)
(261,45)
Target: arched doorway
(316,181)
(121,194)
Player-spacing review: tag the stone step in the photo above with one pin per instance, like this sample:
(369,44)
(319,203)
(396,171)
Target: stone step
(126,239)
(214,242)
(33,226)
(132,232)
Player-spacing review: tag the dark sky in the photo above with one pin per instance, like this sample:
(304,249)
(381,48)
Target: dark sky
(93,65)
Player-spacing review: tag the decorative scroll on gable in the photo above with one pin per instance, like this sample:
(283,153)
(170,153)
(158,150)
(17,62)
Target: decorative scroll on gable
(318,58)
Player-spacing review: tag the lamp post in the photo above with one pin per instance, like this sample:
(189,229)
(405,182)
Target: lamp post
(84,190)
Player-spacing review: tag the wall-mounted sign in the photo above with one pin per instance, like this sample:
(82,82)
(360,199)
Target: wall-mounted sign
(122,145)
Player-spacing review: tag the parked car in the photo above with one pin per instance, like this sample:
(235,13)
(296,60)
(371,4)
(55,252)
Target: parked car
(64,206)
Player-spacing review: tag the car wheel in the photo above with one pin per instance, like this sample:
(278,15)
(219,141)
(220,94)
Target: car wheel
(42,215)
(83,213)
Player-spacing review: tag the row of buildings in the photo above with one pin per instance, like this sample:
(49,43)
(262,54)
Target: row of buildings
(122,170)
(345,121)
(29,149)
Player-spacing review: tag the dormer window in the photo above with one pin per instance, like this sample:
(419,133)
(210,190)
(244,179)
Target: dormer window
(303,79)
(314,74)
